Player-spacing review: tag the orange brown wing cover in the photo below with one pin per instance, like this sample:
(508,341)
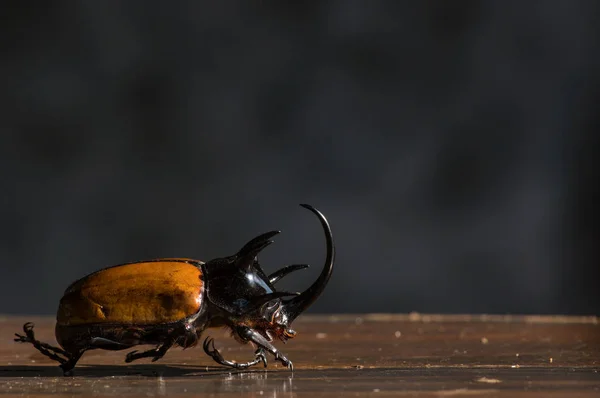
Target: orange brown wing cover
(138,293)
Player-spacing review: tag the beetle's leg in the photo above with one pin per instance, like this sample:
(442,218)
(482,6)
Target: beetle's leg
(46,349)
(156,353)
(68,366)
(218,358)
(248,334)
(185,337)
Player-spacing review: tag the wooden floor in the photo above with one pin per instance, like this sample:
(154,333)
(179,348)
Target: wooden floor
(364,355)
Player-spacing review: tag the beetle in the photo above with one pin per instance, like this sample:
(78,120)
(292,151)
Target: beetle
(170,302)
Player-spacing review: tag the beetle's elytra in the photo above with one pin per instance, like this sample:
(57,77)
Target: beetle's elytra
(169,302)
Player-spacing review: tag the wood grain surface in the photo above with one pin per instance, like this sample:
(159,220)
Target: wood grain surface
(377,355)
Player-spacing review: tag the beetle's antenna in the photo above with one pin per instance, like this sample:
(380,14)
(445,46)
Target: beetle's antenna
(295,306)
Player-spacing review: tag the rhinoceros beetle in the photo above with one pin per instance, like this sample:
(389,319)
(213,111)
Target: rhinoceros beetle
(170,302)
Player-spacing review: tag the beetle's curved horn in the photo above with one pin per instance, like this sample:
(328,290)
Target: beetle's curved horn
(245,257)
(295,306)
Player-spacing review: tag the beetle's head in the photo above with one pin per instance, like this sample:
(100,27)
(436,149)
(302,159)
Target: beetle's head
(238,285)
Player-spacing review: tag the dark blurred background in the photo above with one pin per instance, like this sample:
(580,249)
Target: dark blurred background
(452,145)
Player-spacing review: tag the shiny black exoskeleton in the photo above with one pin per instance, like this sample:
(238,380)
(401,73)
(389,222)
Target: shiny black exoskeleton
(169,302)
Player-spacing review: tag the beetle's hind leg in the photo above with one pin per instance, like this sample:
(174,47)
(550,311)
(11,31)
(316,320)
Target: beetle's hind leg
(67,363)
(68,366)
(51,352)
(218,358)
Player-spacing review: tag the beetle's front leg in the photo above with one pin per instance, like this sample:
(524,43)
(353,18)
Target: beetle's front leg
(248,334)
(218,358)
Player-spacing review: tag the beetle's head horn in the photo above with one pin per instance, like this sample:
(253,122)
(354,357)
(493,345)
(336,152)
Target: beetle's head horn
(295,306)
(245,257)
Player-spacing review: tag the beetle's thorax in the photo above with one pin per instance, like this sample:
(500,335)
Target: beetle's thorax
(244,296)
(234,289)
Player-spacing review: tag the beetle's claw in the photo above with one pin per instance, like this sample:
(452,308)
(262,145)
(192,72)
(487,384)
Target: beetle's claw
(216,353)
(21,339)
(29,336)
(260,353)
(285,362)
(212,352)
(28,330)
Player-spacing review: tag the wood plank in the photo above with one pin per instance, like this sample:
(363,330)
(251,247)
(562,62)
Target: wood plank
(341,355)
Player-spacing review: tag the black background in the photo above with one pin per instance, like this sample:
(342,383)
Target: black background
(451,145)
